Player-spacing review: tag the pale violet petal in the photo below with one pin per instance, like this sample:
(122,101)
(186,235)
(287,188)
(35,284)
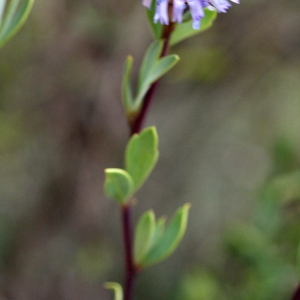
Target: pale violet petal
(196,11)
(178,9)
(161,13)
(196,24)
(147,3)
(220,5)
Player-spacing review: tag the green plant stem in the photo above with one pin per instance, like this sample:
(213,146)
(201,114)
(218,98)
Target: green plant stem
(135,127)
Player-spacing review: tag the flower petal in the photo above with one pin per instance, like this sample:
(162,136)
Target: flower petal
(147,3)
(220,5)
(178,8)
(161,12)
(196,12)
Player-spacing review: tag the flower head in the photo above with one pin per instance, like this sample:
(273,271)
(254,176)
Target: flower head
(179,6)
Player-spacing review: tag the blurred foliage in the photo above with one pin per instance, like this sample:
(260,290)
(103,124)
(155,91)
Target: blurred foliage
(214,64)
(92,261)
(200,285)
(260,254)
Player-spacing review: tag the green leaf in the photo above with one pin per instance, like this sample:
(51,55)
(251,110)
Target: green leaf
(151,56)
(186,16)
(118,185)
(144,234)
(158,233)
(14,17)
(117,288)
(185,30)
(141,156)
(126,85)
(2,7)
(159,68)
(159,230)
(171,238)
(9,15)
(153,67)
(155,27)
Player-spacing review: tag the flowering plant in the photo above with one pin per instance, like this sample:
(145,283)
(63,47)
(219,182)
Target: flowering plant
(172,21)
(153,240)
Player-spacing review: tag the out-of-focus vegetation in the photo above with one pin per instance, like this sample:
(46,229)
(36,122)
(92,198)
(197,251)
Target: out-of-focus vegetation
(228,121)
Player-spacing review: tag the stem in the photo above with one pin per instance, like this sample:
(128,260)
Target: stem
(135,127)
(127,234)
(297,294)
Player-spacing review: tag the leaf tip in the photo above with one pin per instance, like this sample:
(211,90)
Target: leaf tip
(187,205)
(129,57)
(116,287)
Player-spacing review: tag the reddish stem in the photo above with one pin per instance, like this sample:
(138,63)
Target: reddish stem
(127,233)
(135,127)
(297,294)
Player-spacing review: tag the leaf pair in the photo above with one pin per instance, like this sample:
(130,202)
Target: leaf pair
(153,67)
(13,14)
(153,241)
(140,158)
(184,30)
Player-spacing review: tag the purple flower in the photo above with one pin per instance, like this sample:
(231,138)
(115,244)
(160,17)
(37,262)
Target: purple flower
(179,6)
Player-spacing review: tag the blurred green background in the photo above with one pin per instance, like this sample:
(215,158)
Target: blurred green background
(228,117)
